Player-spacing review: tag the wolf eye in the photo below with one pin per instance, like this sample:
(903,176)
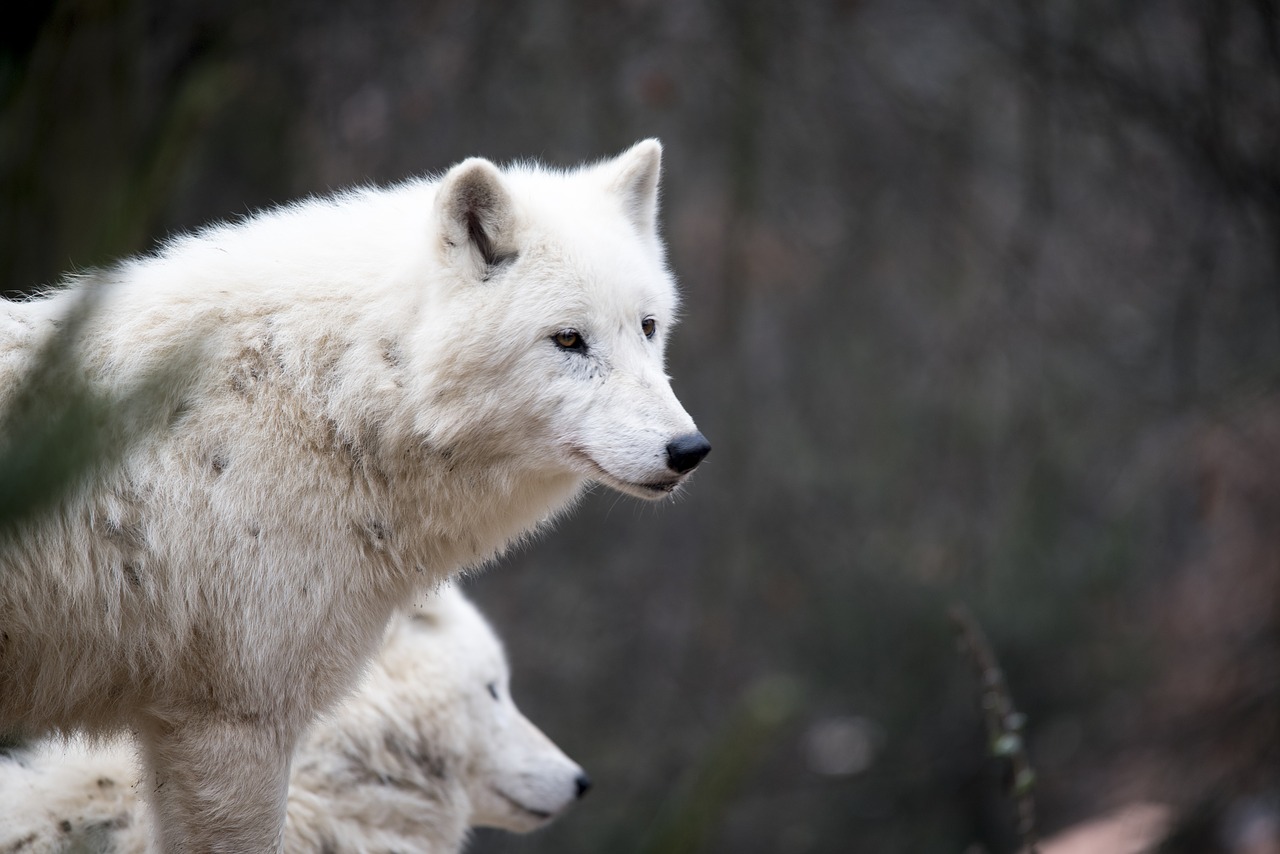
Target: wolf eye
(493,689)
(569,339)
(648,326)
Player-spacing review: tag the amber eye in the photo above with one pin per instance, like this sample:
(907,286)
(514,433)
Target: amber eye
(569,339)
(648,326)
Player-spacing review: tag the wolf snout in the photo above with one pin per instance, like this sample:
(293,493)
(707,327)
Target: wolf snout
(685,452)
(582,784)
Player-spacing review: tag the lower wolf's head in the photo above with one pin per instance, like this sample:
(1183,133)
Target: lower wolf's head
(452,690)
(548,318)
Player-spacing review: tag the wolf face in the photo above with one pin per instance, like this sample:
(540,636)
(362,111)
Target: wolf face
(555,293)
(515,777)
(432,743)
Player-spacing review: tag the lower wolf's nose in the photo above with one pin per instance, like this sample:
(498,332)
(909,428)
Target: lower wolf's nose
(583,783)
(685,452)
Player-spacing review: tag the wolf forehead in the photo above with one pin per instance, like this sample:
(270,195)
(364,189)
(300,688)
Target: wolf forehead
(606,298)
(573,232)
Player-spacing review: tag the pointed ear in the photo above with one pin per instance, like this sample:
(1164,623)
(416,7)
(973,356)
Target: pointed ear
(475,214)
(635,180)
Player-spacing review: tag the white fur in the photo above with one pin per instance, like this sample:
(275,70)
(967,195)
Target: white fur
(379,401)
(420,753)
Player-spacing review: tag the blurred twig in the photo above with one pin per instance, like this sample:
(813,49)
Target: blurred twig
(1004,722)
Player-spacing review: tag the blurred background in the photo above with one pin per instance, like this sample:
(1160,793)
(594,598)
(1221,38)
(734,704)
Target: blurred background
(982,305)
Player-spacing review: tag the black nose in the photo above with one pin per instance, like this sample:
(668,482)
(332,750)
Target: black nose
(685,452)
(584,784)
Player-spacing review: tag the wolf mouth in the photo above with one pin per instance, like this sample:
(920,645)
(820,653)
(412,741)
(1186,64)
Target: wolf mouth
(541,815)
(665,487)
(650,489)
(658,487)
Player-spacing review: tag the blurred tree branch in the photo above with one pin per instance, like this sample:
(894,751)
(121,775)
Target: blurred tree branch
(1214,104)
(1004,722)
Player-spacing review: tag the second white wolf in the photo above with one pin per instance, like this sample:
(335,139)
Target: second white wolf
(430,745)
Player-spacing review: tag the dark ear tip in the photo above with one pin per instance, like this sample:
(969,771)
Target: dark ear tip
(474,165)
(475,180)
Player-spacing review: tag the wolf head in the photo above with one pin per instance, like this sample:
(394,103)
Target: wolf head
(549,321)
(515,777)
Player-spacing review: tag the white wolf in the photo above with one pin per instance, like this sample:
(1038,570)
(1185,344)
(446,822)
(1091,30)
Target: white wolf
(393,385)
(431,744)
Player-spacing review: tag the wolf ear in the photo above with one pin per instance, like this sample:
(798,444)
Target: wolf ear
(475,213)
(635,180)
